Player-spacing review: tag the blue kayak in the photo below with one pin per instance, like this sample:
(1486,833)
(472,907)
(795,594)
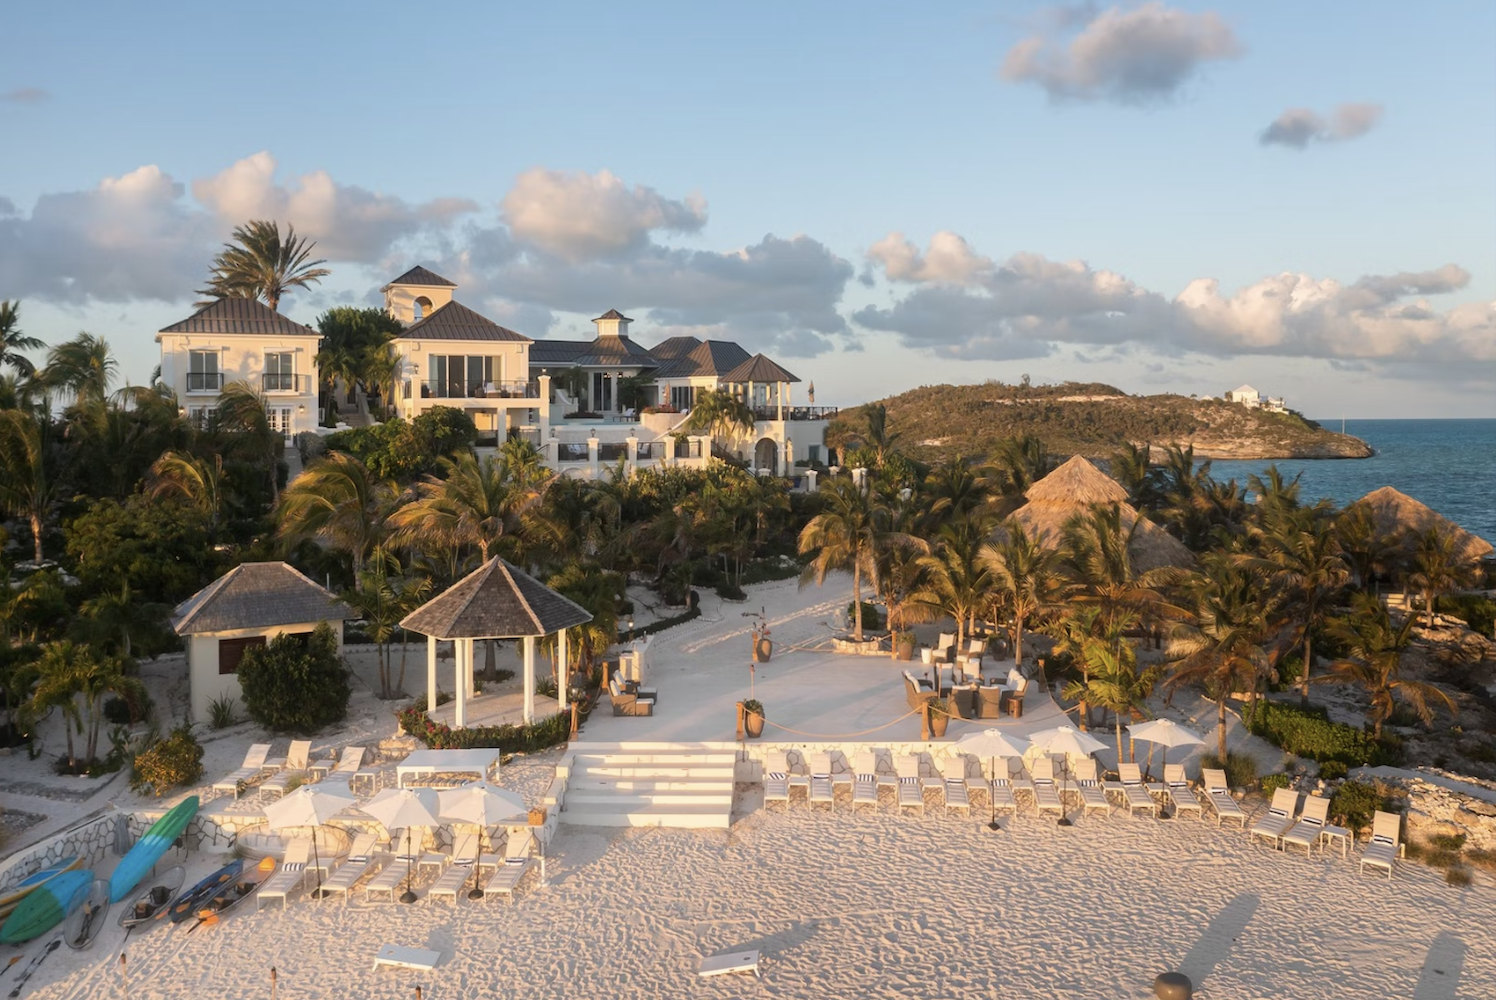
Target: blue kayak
(189,902)
(45,907)
(148,850)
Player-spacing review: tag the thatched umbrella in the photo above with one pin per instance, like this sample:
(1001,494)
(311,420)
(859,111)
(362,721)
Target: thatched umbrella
(1073,489)
(1394,513)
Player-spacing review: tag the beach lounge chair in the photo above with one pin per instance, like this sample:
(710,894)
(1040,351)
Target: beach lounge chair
(452,881)
(361,861)
(347,766)
(467,845)
(1001,789)
(1218,794)
(290,876)
(776,778)
(1133,790)
(1184,797)
(1310,825)
(1279,818)
(387,883)
(252,768)
(911,788)
(1046,794)
(956,797)
(865,787)
(298,759)
(507,876)
(1088,786)
(821,788)
(1386,842)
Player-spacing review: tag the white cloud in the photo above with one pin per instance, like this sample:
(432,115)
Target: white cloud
(580,216)
(1298,127)
(1130,57)
(949,259)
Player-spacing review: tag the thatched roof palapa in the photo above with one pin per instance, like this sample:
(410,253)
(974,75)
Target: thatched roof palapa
(496,601)
(1072,489)
(1393,511)
(258,595)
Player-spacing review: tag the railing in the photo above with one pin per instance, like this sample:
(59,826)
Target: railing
(572,452)
(794,412)
(204,381)
(612,451)
(650,450)
(284,383)
(690,449)
(463,389)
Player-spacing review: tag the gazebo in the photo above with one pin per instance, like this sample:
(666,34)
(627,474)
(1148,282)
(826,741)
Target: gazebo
(495,601)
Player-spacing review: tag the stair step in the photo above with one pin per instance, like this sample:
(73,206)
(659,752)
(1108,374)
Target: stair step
(662,783)
(622,801)
(654,760)
(671,815)
(656,773)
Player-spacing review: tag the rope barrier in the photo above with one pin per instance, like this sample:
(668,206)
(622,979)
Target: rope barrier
(843,736)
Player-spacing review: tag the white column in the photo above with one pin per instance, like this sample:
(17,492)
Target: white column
(779,398)
(467,663)
(459,686)
(430,674)
(563,670)
(529,679)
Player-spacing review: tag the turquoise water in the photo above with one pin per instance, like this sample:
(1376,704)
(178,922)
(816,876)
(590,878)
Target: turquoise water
(1448,464)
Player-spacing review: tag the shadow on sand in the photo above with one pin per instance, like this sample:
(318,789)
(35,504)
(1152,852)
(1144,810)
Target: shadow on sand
(1440,978)
(1218,937)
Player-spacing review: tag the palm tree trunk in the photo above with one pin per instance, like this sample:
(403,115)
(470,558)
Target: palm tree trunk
(36,536)
(1018,640)
(1119,737)
(1221,729)
(1308,659)
(857,600)
(1428,597)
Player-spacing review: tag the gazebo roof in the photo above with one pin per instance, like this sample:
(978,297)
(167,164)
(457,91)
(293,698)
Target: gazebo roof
(496,601)
(257,595)
(759,369)
(1395,511)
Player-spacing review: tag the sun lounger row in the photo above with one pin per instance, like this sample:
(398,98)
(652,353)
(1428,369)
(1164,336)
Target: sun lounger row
(274,777)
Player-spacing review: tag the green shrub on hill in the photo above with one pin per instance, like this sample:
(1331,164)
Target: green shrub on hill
(169,763)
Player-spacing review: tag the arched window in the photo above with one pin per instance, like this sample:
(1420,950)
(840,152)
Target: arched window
(422,308)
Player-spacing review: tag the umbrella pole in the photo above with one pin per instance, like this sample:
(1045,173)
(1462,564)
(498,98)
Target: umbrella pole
(1064,772)
(992,794)
(317,861)
(1164,812)
(408,896)
(477,891)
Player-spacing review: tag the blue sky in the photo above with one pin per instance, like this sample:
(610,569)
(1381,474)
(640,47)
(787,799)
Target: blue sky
(878,195)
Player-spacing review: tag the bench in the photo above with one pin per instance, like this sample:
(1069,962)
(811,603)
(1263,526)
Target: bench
(729,962)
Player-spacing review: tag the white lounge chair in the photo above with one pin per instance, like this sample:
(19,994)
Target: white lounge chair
(298,758)
(251,770)
(290,876)
(911,787)
(360,862)
(1386,842)
(1046,793)
(452,881)
(1088,786)
(1311,824)
(865,787)
(776,778)
(1001,788)
(1279,818)
(956,797)
(1218,794)
(1134,793)
(821,788)
(349,768)
(506,877)
(388,882)
(1180,791)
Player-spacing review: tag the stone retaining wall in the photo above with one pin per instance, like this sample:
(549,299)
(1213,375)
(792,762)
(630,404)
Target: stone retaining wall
(92,840)
(1434,811)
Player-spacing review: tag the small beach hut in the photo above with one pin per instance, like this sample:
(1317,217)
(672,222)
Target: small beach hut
(1072,489)
(247,606)
(495,601)
(1394,512)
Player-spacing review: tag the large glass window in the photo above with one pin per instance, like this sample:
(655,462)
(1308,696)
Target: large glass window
(460,375)
(280,371)
(202,371)
(683,397)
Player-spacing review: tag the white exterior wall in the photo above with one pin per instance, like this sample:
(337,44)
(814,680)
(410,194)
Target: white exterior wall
(207,684)
(491,415)
(241,357)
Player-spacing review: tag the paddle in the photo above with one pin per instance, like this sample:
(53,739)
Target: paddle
(13,960)
(35,963)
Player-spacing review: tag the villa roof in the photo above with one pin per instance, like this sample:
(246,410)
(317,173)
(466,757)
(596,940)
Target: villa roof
(1394,512)
(620,351)
(614,314)
(418,275)
(496,601)
(1245,388)
(759,368)
(455,321)
(557,352)
(674,347)
(257,595)
(707,357)
(243,316)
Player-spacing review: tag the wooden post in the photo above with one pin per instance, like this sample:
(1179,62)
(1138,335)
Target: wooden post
(741,722)
(924,721)
(272,982)
(574,716)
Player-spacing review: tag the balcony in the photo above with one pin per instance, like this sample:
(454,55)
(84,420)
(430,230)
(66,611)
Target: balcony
(299,384)
(205,381)
(462,389)
(794,412)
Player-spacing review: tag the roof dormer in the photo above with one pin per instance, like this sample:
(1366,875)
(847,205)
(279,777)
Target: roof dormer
(613,324)
(417,294)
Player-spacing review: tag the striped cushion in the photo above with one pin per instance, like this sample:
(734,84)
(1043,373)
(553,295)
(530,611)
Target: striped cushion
(1383,840)
(777,776)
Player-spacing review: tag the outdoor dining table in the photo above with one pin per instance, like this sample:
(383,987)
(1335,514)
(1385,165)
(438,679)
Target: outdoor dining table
(424,763)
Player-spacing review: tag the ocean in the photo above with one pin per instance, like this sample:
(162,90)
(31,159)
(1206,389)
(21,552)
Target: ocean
(1448,464)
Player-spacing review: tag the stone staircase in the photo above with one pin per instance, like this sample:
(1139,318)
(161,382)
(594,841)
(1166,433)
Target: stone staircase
(647,784)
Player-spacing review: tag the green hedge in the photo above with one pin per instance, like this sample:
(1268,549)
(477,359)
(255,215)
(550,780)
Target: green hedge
(541,735)
(665,623)
(1310,733)
(1478,611)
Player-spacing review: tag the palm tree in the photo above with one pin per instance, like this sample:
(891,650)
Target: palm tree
(1364,547)
(382,601)
(722,415)
(954,489)
(876,436)
(844,535)
(262,265)
(339,502)
(13,341)
(599,591)
(242,413)
(75,679)
(1303,555)
(198,481)
(1026,573)
(1023,462)
(1375,647)
(1114,682)
(1097,553)
(355,350)
(1437,566)
(28,476)
(83,366)
(958,579)
(1277,499)
(114,620)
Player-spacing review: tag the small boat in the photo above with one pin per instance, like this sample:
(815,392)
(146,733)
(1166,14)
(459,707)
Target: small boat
(149,848)
(44,908)
(234,893)
(86,915)
(186,905)
(12,898)
(155,899)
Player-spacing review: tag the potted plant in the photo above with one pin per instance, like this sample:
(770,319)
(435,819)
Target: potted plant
(940,716)
(763,646)
(903,645)
(753,718)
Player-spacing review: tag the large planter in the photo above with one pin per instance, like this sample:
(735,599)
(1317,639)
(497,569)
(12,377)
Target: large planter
(903,649)
(938,723)
(762,649)
(753,725)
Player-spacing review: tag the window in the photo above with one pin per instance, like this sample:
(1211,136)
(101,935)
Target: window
(682,397)
(280,419)
(602,392)
(200,416)
(460,375)
(280,371)
(231,652)
(202,372)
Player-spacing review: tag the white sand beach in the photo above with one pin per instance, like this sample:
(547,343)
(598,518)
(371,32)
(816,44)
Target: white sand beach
(840,904)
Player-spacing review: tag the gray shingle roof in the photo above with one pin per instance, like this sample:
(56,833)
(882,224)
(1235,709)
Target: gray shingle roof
(759,369)
(257,595)
(619,351)
(240,316)
(495,601)
(674,347)
(710,357)
(557,352)
(455,321)
(613,314)
(418,275)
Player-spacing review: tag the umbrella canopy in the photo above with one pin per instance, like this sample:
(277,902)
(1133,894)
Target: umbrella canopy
(1066,740)
(403,808)
(309,805)
(481,804)
(992,743)
(1164,732)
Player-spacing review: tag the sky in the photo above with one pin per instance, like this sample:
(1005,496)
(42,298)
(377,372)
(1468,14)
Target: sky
(1167,197)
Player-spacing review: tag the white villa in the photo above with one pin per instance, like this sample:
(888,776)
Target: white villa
(1249,397)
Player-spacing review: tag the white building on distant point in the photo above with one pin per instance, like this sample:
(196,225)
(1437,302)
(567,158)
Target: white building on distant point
(1253,400)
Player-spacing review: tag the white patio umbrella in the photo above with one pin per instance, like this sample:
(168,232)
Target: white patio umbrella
(310,805)
(1071,742)
(992,743)
(1165,733)
(404,807)
(484,805)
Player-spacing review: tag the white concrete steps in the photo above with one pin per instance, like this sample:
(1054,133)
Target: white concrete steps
(648,784)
